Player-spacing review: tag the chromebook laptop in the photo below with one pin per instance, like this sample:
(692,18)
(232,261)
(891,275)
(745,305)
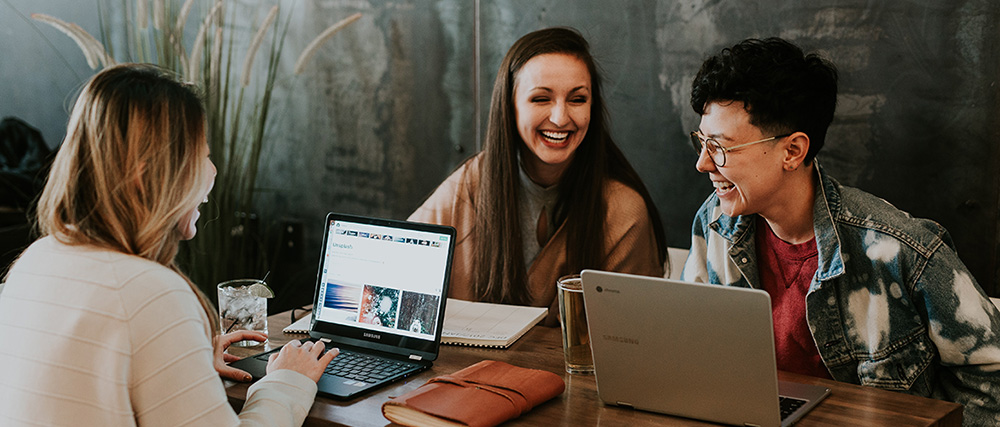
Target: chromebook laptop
(692,350)
(380,298)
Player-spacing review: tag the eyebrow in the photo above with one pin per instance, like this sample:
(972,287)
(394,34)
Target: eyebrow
(716,136)
(547,89)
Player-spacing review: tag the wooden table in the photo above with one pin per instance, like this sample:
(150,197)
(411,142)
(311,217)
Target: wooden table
(541,348)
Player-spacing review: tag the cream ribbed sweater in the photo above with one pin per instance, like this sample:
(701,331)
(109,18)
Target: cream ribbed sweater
(91,337)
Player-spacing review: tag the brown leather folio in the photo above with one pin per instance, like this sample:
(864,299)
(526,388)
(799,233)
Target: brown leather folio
(482,395)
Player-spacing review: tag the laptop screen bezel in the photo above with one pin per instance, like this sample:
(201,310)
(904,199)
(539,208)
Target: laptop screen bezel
(401,345)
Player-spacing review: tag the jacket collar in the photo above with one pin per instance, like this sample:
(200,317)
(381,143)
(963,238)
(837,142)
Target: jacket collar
(826,208)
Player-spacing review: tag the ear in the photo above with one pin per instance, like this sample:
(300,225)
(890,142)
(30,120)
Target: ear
(795,151)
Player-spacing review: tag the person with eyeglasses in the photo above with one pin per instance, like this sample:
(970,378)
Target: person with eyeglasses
(861,292)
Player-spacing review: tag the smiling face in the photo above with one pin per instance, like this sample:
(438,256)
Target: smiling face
(751,180)
(552,96)
(187,226)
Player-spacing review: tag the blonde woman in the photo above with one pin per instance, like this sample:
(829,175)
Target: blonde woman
(98,325)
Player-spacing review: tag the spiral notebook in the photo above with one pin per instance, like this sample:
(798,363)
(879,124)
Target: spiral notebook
(481,324)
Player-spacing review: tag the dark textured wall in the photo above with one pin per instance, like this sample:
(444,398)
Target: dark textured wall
(917,115)
(391,105)
(378,119)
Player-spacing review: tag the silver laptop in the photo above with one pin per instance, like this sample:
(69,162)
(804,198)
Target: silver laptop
(687,349)
(381,289)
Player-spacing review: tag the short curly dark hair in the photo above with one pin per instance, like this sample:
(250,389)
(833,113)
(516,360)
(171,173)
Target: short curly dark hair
(782,89)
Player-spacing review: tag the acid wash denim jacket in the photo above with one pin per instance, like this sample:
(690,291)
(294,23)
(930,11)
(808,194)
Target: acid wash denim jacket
(890,306)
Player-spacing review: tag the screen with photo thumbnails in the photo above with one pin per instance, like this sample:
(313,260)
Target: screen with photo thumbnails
(384,279)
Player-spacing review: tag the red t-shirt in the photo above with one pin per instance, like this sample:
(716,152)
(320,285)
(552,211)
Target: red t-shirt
(786,271)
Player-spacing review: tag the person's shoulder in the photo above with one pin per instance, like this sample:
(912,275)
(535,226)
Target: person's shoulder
(622,199)
(473,162)
(455,192)
(49,256)
(468,170)
(135,279)
(465,176)
(861,208)
(103,279)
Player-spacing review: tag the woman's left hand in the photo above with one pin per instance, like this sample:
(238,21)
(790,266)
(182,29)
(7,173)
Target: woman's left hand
(222,342)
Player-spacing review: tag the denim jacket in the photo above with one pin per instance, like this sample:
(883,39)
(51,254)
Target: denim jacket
(890,306)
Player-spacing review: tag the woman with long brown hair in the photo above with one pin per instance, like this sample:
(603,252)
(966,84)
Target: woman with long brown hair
(99,325)
(550,193)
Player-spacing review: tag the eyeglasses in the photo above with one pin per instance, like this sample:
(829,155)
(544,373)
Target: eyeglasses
(716,151)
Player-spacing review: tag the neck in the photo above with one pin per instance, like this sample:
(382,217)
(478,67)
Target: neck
(543,174)
(792,220)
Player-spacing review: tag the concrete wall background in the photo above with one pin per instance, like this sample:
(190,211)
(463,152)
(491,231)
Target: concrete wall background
(389,100)
(392,104)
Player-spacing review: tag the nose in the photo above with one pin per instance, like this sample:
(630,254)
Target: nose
(558,115)
(705,163)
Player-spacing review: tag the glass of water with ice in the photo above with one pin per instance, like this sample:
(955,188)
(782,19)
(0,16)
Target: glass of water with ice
(243,306)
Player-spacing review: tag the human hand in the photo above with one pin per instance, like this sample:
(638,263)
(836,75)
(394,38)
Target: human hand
(305,358)
(222,342)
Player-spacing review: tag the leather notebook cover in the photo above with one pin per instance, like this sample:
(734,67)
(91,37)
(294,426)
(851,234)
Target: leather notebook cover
(482,395)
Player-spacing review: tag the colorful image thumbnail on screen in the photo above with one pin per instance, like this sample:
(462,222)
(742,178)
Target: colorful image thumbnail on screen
(342,297)
(379,306)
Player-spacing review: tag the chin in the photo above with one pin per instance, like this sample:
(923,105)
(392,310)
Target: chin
(730,210)
(556,157)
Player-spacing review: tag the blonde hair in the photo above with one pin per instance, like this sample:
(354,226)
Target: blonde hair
(129,167)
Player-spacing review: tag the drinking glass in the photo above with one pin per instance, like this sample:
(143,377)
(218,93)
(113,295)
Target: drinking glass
(240,310)
(573,320)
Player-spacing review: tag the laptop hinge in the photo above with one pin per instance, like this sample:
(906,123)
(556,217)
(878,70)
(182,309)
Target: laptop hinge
(416,357)
(625,404)
(751,425)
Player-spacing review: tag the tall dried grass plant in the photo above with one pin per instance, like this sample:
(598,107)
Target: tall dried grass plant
(229,244)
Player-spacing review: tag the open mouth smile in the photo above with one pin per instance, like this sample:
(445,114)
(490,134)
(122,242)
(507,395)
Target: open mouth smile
(722,187)
(553,137)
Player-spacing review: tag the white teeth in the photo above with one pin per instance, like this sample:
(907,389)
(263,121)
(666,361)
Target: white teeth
(555,136)
(722,185)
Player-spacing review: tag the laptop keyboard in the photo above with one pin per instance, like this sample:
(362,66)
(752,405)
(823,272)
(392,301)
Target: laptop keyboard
(365,368)
(789,405)
(361,367)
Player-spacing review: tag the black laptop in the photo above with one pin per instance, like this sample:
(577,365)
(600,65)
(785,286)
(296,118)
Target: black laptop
(380,298)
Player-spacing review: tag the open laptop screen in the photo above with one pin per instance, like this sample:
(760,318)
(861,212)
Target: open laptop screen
(383,281)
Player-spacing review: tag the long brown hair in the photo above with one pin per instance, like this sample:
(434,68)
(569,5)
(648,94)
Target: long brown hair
(500,269)
(128,169)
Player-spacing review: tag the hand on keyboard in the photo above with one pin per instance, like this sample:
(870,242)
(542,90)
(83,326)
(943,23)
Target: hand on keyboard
(305,358)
